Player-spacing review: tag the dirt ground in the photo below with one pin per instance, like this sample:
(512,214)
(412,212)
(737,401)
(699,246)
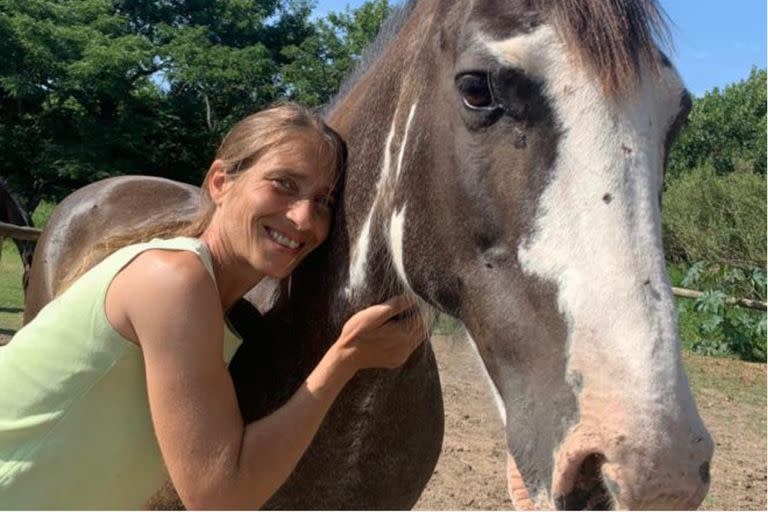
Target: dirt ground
(471,471)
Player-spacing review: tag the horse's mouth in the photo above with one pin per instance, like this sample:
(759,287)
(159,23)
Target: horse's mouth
(589,490)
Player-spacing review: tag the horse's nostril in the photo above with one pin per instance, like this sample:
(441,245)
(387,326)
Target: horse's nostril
(589,490)
(704,472)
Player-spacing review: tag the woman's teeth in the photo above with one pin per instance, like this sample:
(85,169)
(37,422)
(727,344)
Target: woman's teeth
(282,239)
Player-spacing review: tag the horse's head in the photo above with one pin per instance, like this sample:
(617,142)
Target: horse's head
(521,159)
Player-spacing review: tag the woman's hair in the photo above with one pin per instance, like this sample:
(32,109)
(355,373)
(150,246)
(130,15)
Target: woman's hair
(247,141)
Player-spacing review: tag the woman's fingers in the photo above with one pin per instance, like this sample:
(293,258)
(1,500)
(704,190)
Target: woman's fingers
(382,336)
(380,314)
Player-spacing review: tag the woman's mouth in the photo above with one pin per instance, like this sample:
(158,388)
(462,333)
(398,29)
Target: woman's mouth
(283,240)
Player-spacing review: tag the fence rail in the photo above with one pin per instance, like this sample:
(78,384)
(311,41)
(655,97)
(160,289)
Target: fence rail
(19,232)
(27,233)
(746,303)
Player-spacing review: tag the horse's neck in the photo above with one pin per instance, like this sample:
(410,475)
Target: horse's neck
(333,282)
(11,211)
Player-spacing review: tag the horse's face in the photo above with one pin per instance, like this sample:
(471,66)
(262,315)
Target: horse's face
(539,227)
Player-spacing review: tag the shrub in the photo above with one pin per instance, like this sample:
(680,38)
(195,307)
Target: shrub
(720,328)
(710,217)
(726,129)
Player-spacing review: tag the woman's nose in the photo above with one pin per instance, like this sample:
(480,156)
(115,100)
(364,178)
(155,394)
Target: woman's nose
(302,213)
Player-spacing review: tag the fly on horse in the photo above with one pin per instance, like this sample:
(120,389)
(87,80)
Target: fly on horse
(506,164)
(12,212)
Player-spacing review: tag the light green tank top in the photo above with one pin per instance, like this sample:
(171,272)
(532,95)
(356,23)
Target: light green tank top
(75,425)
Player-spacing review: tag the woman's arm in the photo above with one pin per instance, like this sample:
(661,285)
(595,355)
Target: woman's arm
(215,461)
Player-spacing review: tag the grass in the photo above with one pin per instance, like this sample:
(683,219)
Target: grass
(11,269)
(42,213)
(11,294)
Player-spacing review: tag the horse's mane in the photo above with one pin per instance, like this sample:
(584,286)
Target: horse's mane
(611,37)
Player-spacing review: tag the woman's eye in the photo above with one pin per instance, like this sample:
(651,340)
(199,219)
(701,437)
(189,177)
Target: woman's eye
(285,184)
(475,90)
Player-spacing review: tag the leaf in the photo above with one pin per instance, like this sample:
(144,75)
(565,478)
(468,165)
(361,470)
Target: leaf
(694,274)
(712,301)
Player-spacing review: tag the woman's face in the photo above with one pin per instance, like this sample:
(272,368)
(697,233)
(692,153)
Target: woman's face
(279,209)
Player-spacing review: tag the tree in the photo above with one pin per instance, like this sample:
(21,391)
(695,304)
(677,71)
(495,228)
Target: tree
(98,88)
(317,67)
(725,129)
(66,72)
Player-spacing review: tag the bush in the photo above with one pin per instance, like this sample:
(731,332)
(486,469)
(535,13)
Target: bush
(710,217)
(726,129)
(719,328)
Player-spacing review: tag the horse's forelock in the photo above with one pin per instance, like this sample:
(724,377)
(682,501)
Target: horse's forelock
(613,38)
(610,37)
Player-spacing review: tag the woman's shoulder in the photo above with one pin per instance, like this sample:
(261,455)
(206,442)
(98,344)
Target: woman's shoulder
(162,291)
(170,271)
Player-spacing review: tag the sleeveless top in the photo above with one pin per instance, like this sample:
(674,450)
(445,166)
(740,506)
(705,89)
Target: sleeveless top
(75,424)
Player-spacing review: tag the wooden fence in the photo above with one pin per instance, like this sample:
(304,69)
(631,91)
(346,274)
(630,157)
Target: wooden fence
(734,301)
(26,233)
(18,232)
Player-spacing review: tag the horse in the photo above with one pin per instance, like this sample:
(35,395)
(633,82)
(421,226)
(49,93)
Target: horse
(506,161)
(13,213)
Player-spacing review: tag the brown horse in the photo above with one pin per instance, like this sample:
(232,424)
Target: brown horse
(506,162)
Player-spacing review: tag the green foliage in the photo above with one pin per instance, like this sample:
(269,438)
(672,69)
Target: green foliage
(446,326)
(42,213)
(11,294)
(726,129)
(67,71)
(98,88)
(318,66)
(722,328)
(710,217)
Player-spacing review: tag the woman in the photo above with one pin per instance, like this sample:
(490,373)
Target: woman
(125,373)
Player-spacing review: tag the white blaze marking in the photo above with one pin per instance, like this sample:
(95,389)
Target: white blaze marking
(496,395)
(396,231)
(360,252)
(599,254)
(384,187)
(405,140)
(360,256)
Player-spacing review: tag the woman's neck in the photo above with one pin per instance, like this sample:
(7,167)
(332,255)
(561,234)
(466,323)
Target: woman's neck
(234,277)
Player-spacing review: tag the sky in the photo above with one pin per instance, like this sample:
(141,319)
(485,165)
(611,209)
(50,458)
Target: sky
(713,45)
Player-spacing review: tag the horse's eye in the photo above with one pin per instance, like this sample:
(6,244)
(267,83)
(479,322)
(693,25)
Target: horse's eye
(475,90)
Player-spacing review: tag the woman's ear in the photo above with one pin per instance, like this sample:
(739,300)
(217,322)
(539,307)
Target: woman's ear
(218,181)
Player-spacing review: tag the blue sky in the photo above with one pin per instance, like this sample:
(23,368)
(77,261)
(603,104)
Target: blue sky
(716,42)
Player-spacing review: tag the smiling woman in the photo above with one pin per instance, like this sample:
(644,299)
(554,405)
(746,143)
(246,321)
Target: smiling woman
(282,130)
(279,208)
(122,379)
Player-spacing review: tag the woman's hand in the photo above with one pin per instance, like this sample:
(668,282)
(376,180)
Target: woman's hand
(373,338)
